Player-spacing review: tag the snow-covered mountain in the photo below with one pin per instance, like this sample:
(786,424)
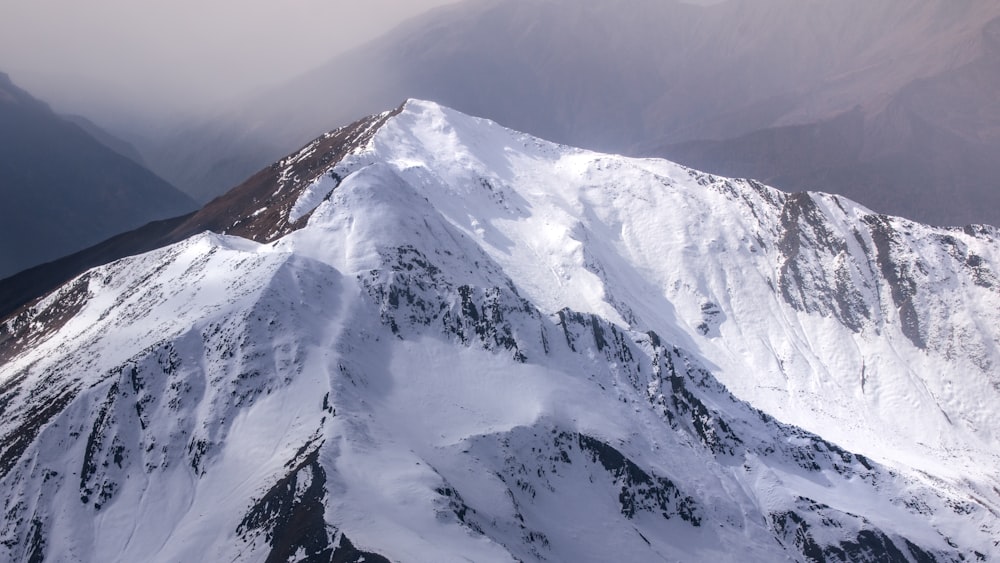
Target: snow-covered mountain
(425,337)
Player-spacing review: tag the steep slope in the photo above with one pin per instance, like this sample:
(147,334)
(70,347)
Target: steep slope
(458,342)
(62,189)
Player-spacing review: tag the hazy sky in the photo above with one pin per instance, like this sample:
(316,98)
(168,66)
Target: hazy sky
(179,53)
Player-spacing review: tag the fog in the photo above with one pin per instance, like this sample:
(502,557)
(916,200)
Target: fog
(107,57)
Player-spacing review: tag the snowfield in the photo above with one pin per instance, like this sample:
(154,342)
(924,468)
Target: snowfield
(469,344)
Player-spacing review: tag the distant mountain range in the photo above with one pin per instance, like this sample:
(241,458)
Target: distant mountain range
(425,337)
(63,189)
(891,103)
(928,151)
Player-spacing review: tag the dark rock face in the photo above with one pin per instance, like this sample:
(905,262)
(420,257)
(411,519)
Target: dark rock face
(868,546)
(899,277)
(290,517)
(640,491)
(413,295)
(63,190)
(806,240)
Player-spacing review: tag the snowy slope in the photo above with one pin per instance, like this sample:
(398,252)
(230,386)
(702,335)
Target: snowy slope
(457,342)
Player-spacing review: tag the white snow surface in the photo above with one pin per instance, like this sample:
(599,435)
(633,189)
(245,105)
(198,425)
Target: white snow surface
(645,243)
(468,311)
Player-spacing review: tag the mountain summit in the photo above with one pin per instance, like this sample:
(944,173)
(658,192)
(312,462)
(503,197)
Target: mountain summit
(425,337)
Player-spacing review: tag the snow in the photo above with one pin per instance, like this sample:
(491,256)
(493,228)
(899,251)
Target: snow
(213,368)
(591,230)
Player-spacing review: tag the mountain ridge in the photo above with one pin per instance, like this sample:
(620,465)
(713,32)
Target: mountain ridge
(477,340)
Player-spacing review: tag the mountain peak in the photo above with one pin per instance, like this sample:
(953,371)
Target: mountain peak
(425,336)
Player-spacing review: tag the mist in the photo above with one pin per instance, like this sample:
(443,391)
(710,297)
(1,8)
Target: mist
(118,60)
